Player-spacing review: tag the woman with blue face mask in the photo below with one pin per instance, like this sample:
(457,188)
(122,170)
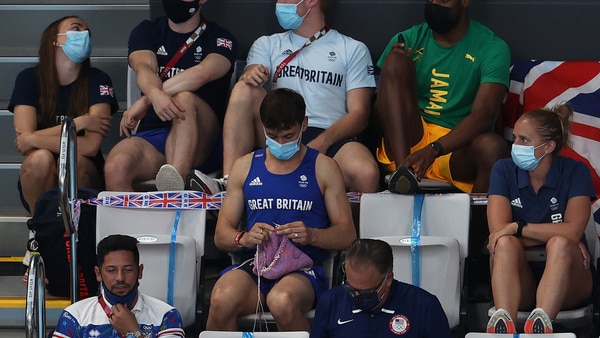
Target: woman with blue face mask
(538,201)
(61,84)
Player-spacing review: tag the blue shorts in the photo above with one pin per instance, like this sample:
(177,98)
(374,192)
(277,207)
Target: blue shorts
(157,137)
(311,133)
(316,276)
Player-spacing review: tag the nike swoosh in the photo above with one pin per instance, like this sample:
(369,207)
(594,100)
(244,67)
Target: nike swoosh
(340,322)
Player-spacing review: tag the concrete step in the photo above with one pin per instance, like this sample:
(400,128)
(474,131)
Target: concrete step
(12,304)
(109,36)
(14,235)
(11,66)
(12,333)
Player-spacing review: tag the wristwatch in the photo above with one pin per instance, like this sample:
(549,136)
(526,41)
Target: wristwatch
(437,147)
(136,334)
(520,225)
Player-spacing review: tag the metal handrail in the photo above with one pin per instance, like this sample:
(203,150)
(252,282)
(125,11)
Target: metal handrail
(35,307)
(67,187)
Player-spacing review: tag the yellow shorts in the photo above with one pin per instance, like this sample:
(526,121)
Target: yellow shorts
(440,169)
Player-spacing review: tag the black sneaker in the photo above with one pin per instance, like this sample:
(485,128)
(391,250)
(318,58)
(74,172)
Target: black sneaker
(198,181)
(403,181)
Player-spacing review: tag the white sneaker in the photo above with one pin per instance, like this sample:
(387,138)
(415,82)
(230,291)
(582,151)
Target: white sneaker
(538,322)
(500,322)
(199,181)
(168,179)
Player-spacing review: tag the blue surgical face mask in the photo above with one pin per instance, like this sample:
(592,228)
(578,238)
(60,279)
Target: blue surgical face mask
(128,299)
(524,156)
(78,46)
(284,151)
(287,15)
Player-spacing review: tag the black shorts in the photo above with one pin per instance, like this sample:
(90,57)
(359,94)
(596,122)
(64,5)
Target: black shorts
(311,133)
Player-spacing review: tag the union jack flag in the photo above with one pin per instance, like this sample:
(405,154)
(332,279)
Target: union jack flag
(106,90)
(222,42)
(204,201)
(354,197)
(161,200)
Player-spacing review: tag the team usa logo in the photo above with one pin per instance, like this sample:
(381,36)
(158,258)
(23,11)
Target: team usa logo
(399,325)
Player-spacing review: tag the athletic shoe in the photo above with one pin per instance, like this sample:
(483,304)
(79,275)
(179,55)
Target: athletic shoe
(168,179)
(538,322)
(198,181)
(500,322)
(403,181)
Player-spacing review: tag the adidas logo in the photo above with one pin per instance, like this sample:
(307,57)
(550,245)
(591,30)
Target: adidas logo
(516,203)
(162,51)
(255,182)
(287,52)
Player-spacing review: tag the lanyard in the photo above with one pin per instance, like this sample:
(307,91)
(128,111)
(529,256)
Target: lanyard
(289,58)
(105,307)
(186,45)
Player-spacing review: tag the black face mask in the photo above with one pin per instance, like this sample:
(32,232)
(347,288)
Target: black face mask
(180,11)
(365,301)
(439,18)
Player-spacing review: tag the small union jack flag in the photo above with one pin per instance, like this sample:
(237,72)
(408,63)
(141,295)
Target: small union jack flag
(221,42)
(106,90)
(354,197)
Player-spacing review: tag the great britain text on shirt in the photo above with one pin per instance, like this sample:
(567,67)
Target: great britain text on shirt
(279,204)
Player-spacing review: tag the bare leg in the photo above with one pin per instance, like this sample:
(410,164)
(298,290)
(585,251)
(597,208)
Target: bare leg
(131,160)
(513,284)
(358,167)
(397,106)
(191,140)
(234,295)
(87,174)
(242,128)
(289,300)
(38,174)
(474,162)
(564,275)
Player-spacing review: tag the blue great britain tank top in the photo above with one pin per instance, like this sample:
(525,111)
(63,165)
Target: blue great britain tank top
(280,199)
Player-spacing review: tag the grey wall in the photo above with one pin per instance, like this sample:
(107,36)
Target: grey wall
(539,29)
